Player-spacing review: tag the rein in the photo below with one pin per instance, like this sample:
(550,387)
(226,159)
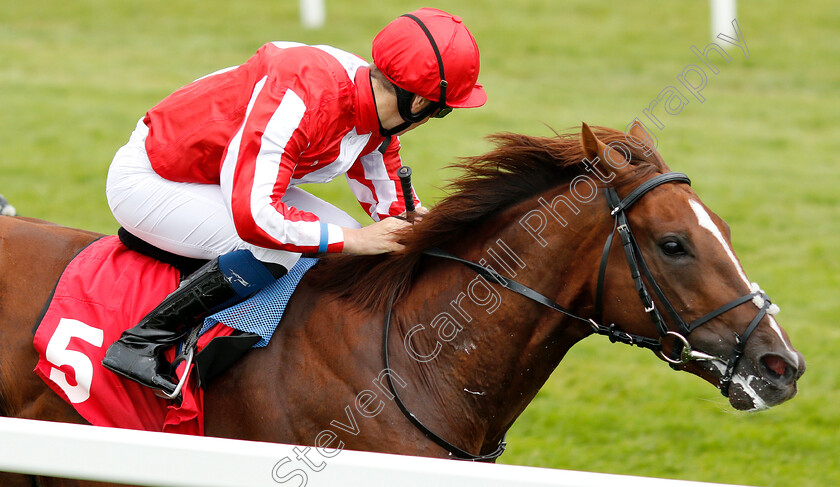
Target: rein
(452,449)
(682,352)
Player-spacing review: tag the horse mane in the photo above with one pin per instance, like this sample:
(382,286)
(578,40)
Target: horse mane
(518,168)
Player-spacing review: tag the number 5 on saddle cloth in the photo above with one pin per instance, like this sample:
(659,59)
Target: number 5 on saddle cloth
(108,288)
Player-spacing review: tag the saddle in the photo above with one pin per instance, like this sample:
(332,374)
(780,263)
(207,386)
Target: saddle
(223,351)
(107,288)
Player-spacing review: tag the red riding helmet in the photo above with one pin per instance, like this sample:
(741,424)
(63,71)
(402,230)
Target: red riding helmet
(430,53)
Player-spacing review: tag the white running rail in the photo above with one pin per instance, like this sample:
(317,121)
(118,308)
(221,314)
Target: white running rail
(138,457)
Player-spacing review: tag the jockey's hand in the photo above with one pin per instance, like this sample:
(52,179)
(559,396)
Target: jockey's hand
(419,213)
(378,238)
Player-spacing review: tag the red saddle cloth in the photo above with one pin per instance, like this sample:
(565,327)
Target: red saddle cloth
(106,289)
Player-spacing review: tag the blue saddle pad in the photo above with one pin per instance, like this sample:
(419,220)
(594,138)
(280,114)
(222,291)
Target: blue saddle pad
(261,313)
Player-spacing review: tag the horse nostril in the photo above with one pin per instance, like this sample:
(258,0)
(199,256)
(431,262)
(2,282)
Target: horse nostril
(777,368)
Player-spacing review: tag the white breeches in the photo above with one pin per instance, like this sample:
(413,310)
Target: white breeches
(191,219)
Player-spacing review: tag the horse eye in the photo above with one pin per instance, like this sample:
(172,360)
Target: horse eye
(672,248)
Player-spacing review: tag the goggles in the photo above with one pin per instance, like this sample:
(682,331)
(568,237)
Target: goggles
(442,112)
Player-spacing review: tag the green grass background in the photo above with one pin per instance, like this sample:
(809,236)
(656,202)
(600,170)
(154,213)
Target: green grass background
(762,151)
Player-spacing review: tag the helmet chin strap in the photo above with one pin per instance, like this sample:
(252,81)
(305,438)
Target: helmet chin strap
(404,101)
(394,131)
(388,133)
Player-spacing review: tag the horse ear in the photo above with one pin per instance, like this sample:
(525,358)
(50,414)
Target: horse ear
(596,151)
(589,142)
(646,139)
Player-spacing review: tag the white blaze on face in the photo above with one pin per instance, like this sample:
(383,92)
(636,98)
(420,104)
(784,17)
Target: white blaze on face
(705,221)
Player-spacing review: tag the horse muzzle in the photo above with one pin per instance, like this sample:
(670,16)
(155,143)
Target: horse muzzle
(764,379)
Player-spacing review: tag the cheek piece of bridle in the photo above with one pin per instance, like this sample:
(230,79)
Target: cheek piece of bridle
(681,352)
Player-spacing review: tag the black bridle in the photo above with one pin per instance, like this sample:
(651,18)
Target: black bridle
(682,352)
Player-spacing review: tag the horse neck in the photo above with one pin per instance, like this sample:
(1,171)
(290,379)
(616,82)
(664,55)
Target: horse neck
(482,352)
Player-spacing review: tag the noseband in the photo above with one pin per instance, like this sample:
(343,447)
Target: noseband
(681,354)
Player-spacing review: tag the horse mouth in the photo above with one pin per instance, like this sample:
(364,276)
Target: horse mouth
(759,383)
(769,381)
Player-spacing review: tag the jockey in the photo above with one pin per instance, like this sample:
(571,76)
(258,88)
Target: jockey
(211,172)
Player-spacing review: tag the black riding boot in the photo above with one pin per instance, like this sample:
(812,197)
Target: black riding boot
(136,354)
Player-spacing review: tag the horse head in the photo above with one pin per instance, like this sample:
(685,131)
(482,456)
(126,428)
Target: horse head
(709,304)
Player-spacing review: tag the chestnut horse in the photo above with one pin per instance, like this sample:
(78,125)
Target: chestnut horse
(543,226)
